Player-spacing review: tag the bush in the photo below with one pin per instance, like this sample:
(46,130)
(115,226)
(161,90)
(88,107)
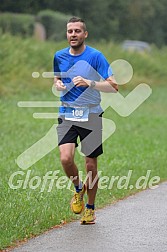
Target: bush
(17,24)
(54,23)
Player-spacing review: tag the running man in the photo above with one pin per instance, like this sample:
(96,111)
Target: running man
(81,72)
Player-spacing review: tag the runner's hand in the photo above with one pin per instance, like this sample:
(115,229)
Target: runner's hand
(59,85)
(81,82)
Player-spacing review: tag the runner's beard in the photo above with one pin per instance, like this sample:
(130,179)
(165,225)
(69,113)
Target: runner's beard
(77,46)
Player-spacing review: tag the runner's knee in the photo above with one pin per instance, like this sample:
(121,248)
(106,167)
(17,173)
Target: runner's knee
(91,164)
(66,160)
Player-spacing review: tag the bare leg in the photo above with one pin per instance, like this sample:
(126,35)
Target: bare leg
(91,168)
(67,152)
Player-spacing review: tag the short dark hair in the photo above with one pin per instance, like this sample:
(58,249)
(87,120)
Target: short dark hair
(77,19)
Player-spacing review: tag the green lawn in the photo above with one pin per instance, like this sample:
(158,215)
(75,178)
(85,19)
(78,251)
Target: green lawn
(138,144)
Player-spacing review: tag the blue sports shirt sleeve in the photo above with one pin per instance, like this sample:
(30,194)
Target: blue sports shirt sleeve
(56,66)
(103,67)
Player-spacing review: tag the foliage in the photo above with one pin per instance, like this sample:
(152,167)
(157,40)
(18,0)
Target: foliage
(130,19)
(17,24)
(107,19)
(54,23)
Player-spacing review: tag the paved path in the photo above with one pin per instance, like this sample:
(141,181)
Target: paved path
(136,224)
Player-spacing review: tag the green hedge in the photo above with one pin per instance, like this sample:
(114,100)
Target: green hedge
(17,24)
(23,24)
(54,23)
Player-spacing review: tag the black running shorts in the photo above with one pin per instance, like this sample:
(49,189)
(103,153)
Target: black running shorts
(89,133)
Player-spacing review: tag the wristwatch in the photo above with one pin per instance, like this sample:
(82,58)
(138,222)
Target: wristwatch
(92,84)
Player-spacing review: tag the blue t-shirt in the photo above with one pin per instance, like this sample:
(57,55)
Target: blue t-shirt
(90,64)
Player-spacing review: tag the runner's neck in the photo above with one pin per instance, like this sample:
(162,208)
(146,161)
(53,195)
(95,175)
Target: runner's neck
(77,51)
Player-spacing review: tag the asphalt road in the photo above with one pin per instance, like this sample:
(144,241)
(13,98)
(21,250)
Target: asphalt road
(136,224)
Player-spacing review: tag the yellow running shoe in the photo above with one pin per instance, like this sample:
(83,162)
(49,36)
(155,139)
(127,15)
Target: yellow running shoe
(88,217)
(77,202)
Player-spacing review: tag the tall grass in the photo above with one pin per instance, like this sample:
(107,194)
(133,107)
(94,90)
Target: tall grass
(19,58)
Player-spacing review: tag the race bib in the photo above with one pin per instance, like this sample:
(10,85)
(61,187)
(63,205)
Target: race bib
(79,114)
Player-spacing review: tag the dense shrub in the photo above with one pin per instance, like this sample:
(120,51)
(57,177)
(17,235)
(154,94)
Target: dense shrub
(17,24)
(54,23)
